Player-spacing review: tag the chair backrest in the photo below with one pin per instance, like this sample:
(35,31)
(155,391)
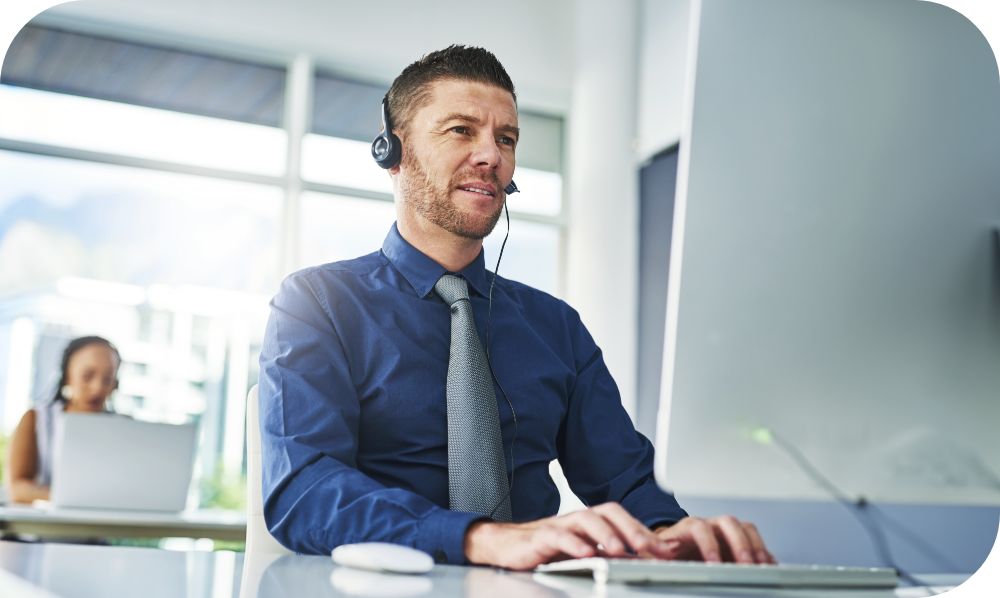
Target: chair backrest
(259,540)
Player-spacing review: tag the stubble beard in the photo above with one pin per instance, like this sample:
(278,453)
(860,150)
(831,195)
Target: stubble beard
(435,204)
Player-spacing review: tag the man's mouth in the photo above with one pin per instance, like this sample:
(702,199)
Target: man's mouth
(480,188)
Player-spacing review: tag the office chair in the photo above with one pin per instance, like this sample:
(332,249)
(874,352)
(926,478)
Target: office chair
(259,540)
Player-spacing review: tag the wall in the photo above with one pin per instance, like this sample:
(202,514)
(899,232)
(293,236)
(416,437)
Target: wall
(657,182)
(663,63)
(602,202)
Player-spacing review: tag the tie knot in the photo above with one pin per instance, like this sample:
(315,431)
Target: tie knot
(451,288)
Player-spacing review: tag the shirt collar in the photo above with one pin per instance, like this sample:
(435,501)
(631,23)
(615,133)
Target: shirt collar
(422,272)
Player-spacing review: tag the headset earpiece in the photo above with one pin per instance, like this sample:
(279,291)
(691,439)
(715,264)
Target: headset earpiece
(386,148)
(511,188)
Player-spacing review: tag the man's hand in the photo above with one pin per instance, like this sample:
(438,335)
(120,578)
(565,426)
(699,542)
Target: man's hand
(717,539)
(608,530)
(605,530)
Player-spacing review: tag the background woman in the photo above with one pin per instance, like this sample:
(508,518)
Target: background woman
(89,374)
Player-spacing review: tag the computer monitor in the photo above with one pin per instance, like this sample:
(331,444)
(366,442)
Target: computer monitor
(835,268)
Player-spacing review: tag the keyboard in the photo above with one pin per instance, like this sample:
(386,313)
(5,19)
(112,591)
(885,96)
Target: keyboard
(728,574)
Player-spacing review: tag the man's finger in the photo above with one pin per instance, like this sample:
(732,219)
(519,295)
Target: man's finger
(639,538)
(736,538)
(554,539)
(600,531)
(760,550)
(673,549)
(704,537)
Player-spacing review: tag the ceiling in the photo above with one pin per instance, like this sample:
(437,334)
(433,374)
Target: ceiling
(371,41)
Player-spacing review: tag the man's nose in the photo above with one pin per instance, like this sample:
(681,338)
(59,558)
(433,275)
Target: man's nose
(486,152)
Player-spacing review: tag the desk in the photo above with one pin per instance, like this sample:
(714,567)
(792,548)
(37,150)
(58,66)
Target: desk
(85,571)
(94,523)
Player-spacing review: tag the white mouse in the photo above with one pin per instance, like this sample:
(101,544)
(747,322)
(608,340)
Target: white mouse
(382,556)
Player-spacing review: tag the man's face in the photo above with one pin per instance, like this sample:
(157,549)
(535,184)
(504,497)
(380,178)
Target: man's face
(458,155)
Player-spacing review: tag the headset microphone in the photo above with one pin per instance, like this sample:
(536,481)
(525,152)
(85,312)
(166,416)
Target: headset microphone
(386,148)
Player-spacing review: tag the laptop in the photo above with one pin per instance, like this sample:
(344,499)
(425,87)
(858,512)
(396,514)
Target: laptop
(107,461)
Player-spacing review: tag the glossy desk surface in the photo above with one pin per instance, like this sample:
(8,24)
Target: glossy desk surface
(85,571)
(96,523)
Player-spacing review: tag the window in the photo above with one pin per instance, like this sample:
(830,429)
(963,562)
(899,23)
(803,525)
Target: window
(336,227)
(342,162)
(144,194)
(161,135)
(531,255)
(71,218)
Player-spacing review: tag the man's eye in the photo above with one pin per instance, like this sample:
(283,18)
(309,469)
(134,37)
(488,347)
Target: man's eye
(508,141)
(461,130)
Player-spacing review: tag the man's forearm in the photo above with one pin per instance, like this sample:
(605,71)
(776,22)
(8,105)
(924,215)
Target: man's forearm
(327,503)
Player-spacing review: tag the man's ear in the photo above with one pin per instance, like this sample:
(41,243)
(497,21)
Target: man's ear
(402,148)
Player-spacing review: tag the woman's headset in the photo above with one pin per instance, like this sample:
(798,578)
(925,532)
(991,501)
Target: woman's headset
(388,150)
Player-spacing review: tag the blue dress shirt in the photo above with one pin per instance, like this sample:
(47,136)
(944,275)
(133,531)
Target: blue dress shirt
(352,406)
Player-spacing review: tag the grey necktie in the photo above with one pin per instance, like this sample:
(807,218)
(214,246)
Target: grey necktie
(477,470)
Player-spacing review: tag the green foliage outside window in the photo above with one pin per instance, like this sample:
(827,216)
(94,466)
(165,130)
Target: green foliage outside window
(224,492)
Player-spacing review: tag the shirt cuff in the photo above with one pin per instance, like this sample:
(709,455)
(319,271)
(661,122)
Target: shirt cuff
(442,535)
(652,506)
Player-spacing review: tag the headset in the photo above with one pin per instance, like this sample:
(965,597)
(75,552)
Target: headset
(387,149)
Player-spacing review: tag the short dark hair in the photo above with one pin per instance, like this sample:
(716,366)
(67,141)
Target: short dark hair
(411,90)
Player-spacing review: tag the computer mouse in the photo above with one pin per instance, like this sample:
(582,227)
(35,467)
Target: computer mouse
(382,556)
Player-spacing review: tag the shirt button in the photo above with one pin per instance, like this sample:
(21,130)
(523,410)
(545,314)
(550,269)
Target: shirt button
(440,556)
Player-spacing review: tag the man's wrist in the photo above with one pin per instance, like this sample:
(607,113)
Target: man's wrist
(661,525)
(477,541)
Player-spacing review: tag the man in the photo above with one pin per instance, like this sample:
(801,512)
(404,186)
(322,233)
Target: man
(392,387)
